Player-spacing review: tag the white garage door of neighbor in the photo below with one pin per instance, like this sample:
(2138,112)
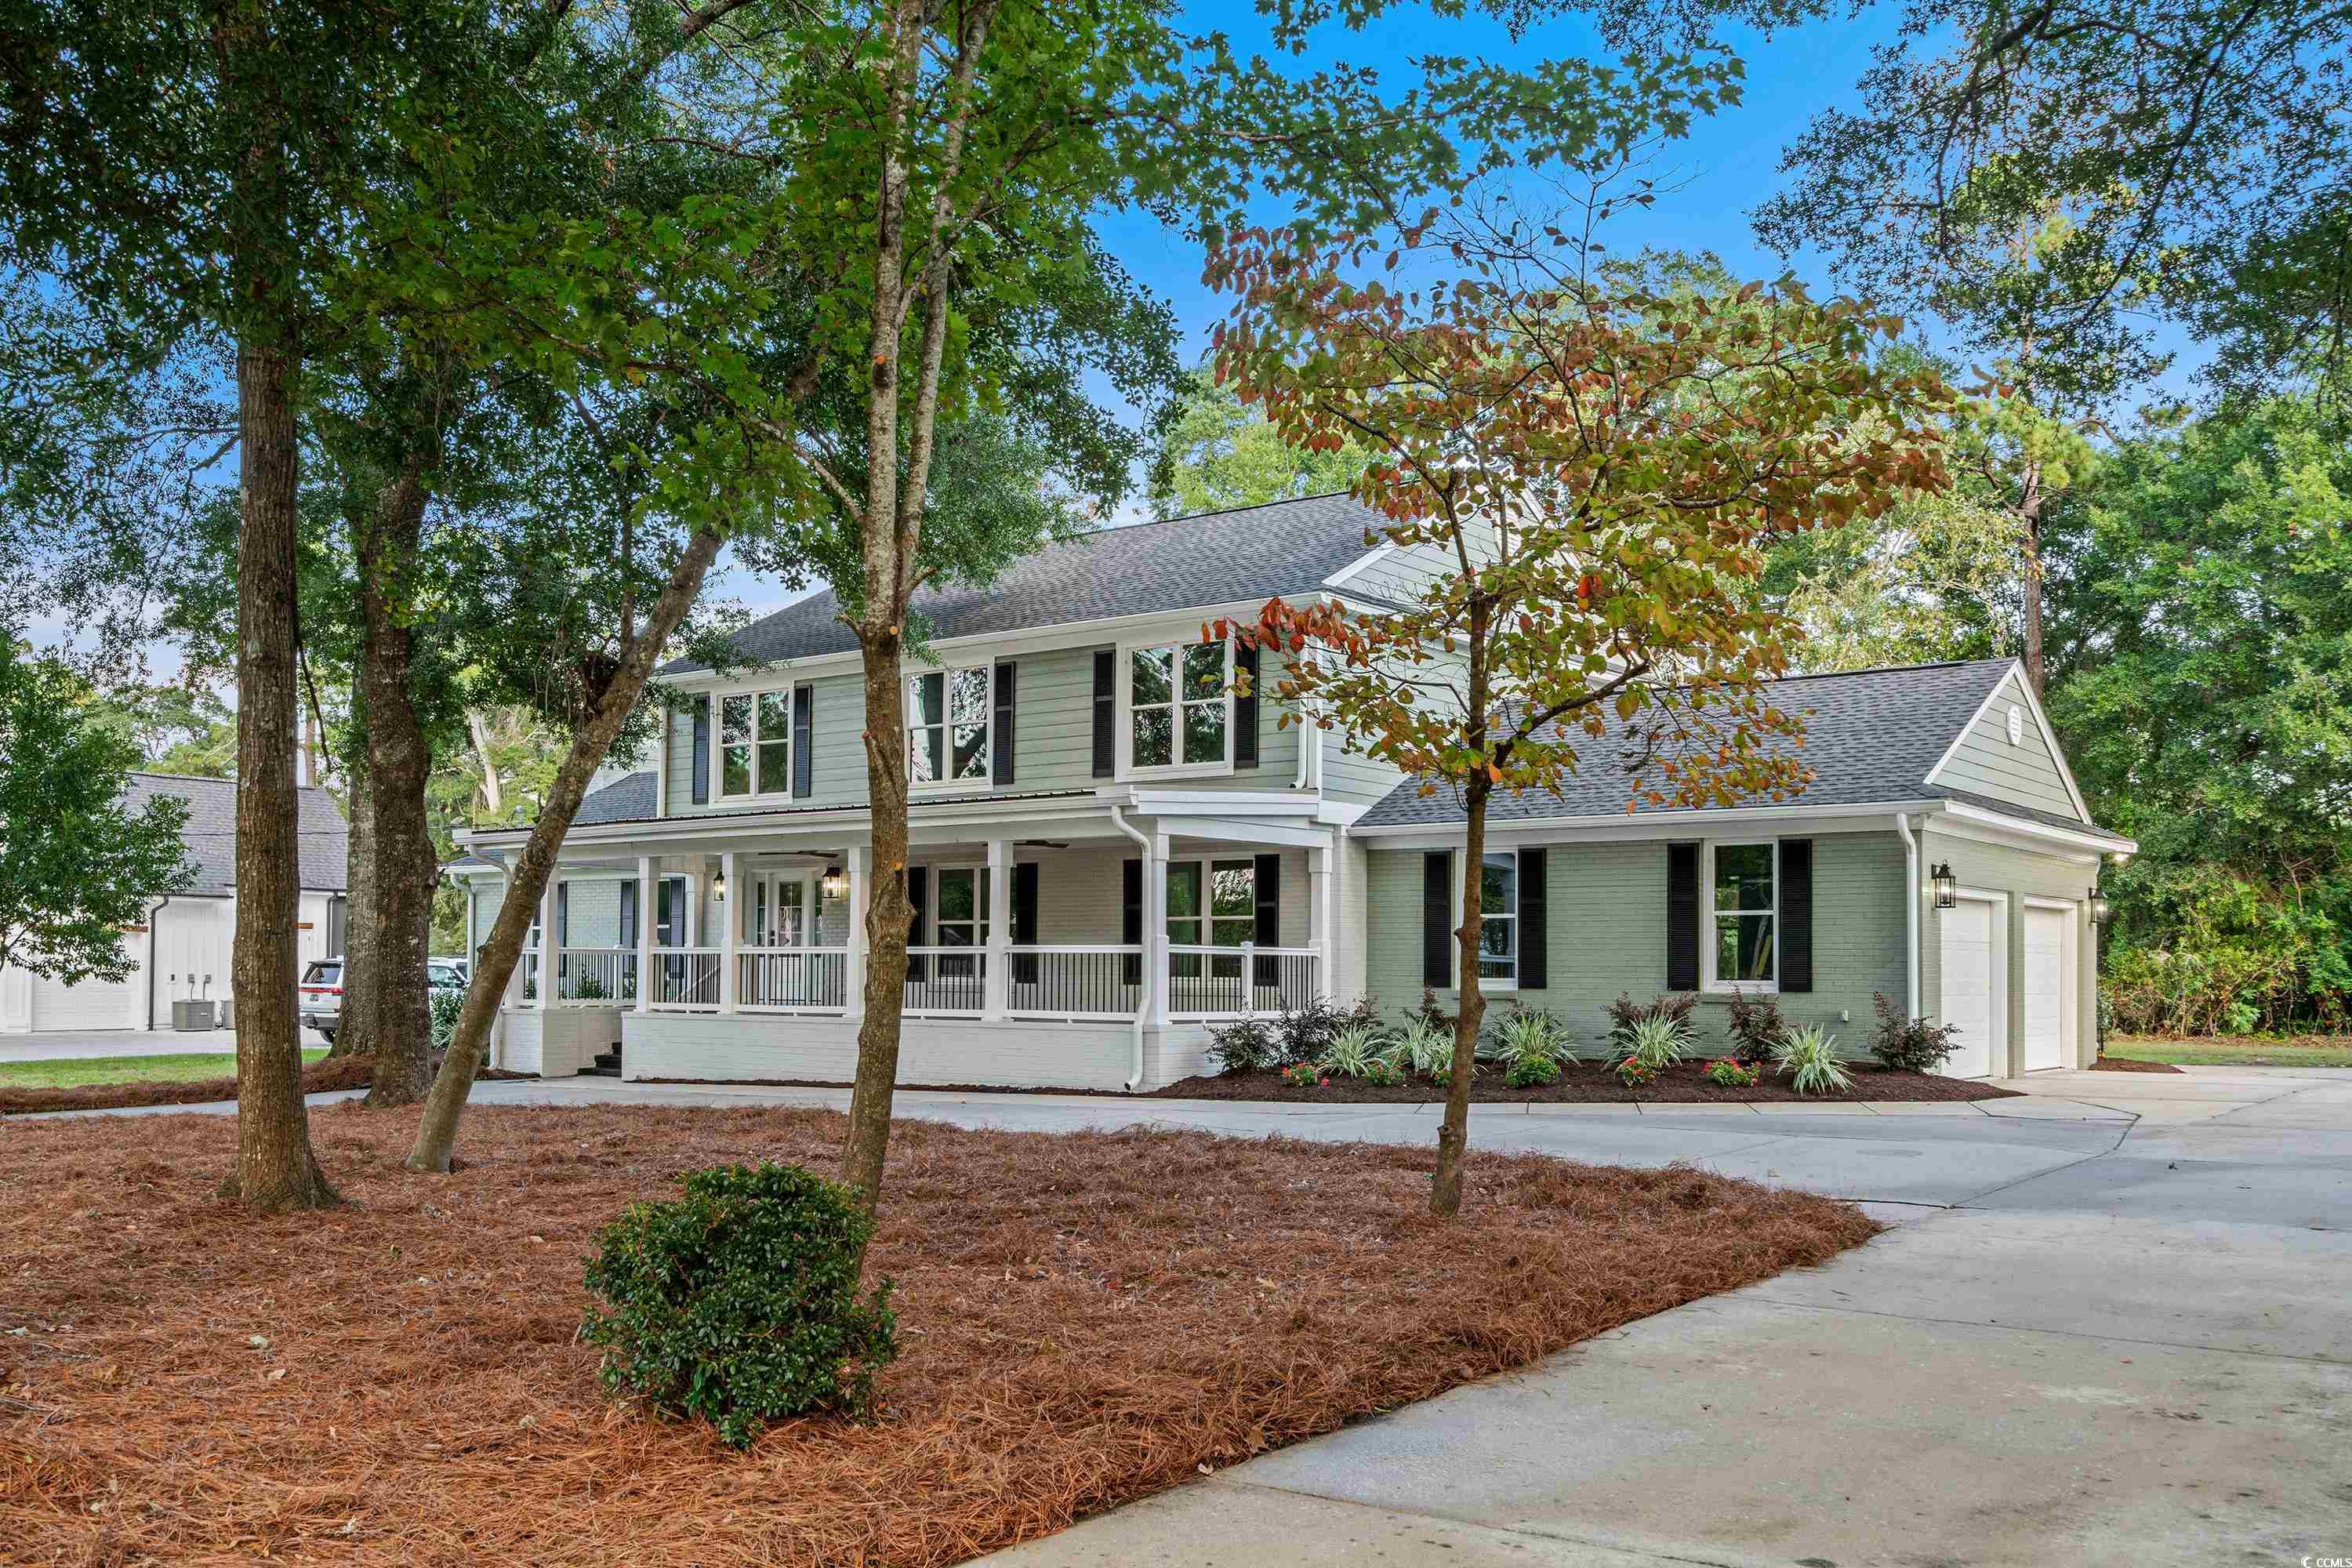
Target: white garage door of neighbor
(2045,988)
(92,1005)
(1967,985)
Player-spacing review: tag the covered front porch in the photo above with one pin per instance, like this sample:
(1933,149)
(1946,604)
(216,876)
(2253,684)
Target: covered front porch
(1081,940)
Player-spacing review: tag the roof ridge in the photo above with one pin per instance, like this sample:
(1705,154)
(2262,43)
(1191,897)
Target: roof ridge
(1898,669)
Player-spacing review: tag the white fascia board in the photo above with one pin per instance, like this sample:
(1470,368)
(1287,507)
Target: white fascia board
(1210,802)
(1998,827)
(1618,828)
(994,645)
(1239,831)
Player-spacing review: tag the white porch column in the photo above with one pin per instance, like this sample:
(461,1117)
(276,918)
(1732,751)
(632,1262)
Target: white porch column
(550,944)
(853,966)
(1318,914)
(730,932)
(648,907)
(1155,926)
(997,967)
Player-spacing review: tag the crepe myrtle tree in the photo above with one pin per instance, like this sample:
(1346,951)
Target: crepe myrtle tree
(1593,474)
(77,864)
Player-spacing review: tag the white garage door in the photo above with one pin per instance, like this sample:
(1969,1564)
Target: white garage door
(192,954)
(1967,985)
(2045,988)
(92,1005)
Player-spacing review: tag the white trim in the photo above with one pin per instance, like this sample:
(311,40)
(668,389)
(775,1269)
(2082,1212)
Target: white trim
(1453,939)
(947,671)
(2041,723)
(1123,687)
(1998,827)
(1708,981)
(1786,821)
(718,795)
(661,769)
(1381,551)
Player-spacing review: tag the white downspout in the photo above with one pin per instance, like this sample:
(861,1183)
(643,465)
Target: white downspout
(1910,914)
(1143,1007)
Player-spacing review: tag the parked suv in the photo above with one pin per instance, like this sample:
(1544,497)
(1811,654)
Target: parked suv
(321,998)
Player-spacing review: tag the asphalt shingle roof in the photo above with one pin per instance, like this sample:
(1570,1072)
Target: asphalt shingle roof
(1871,736)
(1217,558)
(321,837)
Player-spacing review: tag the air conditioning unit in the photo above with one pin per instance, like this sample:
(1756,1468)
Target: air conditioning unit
(192,1015)
(225,1014)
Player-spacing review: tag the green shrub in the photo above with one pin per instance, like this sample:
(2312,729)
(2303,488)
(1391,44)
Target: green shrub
(1304,1075)
(443,1003)
(1808,1056)
(1532,1072)
(1305,1032)
(740,1302)
(1625,1012)
(1246,1046)
(1353,1049)
(1532,1035)
(1755,1025)
(1658,1043)
(1733,1073)
(1908,1044)
(1425,1047)
(1382,1073)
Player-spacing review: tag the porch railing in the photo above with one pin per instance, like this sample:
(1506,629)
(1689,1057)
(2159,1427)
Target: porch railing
(1231,982)
(1074,982)
(791,979)
(685,977)
(945,981)
(594,976)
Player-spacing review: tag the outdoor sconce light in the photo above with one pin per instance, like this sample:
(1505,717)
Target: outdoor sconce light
(718,887)
(2101,913)
(1947,887)
(835,883)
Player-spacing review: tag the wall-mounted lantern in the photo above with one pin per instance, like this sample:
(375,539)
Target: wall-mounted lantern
(835,883)
(718,887)
(2101,912)
(1947,887)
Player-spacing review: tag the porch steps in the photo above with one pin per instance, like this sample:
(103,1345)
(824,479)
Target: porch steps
(607,1064)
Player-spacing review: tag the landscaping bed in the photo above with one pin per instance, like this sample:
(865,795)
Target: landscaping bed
(319,1076)
(1085,1319)
(2130,1064)
(1684,1083)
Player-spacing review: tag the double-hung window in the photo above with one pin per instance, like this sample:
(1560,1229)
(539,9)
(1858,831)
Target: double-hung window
(1223,913)
(1180,706)
(1499,918)
(755,743)
(1743,881)
(961,918)
(947,726)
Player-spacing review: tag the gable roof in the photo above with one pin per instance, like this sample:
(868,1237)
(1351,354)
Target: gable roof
(629,799)
(1872,736)
(322,840)
(1146,568)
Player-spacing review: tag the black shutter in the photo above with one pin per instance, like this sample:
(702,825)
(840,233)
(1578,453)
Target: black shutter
(1105,712)
(1535,924)
(1131,918)
(1437,918)
(629,913)
(1246,712)
(918,892)
(702,751)
(1796,914)
(1025,920)
(1268,879)
(1681,917)
(803,741)
(1000,742)
(563,914)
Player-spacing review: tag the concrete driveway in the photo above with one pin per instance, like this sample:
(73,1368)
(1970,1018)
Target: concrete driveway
(81,1044)
(2112,1323)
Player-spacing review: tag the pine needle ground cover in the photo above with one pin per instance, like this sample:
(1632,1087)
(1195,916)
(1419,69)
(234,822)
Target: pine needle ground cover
(1085,1319)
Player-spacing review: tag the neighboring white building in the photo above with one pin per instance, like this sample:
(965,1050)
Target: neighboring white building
(182,951)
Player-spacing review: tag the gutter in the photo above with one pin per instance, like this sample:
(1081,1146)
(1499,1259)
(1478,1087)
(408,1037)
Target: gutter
(1910,913)
(1143,1004)
(150,1024)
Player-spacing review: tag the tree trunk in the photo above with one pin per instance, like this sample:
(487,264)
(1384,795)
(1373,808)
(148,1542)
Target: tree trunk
(2029,512)
(400,762)
(867,1144)
(1453,1131)
(436,1134)
(275,1166)
(355,1024)
(494,803)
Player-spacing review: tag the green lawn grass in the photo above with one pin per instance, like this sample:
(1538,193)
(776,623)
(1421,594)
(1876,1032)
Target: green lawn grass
(2238,1050)
(72,1072)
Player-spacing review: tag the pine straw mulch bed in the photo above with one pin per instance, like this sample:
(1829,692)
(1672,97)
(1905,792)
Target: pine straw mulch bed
(1085,1318)
(2130,1064)
(1589,1083)
(326,1074)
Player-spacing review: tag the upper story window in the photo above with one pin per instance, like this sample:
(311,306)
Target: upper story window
(1743,896)
(947,726)
(755,743)
(1180,706)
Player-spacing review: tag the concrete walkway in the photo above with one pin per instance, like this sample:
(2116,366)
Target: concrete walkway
(2110,1325)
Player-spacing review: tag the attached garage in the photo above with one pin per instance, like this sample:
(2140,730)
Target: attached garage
(2049,989)
(1973,968)
(92,1005)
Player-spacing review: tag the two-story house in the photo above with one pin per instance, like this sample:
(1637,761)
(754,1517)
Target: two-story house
(1112,851)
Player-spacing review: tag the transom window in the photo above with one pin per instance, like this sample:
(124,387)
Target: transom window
(1226,917)
(1744,896)
(755,743)
(1179,705)
(1498,922)
(947,726)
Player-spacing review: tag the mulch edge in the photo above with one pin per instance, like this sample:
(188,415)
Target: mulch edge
(317,1078)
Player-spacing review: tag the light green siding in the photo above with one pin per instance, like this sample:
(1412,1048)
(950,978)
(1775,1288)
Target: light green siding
(1989,763)
(2021,874)
(1607,915)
